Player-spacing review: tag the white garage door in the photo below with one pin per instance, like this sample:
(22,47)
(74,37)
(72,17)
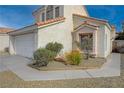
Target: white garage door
(24,45)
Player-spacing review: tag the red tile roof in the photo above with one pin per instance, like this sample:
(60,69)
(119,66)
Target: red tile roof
(5,30)
(50,21)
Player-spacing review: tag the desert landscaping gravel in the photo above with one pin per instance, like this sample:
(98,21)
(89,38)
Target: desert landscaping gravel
(91,63)
(11,80)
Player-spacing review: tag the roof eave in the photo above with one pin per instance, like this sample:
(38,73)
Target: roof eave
(86,25)
(95,19)
(21,30)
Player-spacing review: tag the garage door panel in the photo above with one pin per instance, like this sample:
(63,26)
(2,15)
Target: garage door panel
(24,45)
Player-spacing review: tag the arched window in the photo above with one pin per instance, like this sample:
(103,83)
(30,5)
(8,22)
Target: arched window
(49,12)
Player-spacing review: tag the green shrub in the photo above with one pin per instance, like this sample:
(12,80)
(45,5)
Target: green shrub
(74,57)
(42,56)
(56,47)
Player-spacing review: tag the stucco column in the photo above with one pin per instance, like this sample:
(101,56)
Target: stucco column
(74,38)
(45,14)
(11,44)
(35,40)
(95,42)
(53,11)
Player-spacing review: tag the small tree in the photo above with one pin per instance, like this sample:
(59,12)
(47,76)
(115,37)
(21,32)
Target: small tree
(85,45)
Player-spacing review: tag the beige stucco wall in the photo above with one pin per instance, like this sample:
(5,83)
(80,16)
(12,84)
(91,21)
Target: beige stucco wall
(100,41)
(108,32)
(104,46)
(55,33)
(69,10)
(4,41)
(77,9)
(113,34)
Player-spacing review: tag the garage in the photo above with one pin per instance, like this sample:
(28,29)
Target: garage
(25,44)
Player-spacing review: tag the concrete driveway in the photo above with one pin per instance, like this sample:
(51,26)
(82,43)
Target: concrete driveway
(2,66)
(18,65)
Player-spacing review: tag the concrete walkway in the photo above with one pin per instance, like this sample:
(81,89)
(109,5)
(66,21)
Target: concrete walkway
(18,65)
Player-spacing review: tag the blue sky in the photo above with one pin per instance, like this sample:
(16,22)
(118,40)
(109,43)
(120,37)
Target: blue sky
(114,14)
(16,16)
(20,16)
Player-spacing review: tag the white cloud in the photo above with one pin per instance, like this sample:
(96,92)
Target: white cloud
(3,25)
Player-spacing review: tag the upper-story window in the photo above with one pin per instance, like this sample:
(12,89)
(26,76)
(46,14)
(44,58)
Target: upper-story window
(49,12)
(57,10)
(43,17)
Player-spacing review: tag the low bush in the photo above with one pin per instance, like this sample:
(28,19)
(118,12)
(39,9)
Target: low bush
(42,56)
(56,47)
(74,57)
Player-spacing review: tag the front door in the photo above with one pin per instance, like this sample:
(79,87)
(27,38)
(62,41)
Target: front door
(86,41)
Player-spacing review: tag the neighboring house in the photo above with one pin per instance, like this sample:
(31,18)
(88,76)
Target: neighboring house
(63,24)
(119,42)
(4,38)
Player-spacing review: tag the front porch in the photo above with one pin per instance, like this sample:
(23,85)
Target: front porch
(84,32)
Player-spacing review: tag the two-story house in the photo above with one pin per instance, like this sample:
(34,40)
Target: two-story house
(64,24)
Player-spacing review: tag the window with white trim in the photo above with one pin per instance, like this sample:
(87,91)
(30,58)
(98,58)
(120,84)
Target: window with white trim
(49,12)
(43,17)
(57,12)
